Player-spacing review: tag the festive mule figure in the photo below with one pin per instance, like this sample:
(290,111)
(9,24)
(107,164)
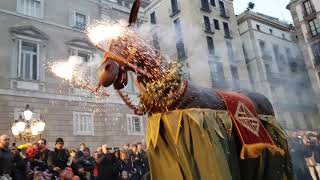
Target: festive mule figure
(192,132)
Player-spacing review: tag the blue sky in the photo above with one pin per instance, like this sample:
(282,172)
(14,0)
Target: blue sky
(275,8)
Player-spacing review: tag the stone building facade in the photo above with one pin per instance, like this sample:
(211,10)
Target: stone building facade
(203,35)
(34,33)
(306,19)
(277,69)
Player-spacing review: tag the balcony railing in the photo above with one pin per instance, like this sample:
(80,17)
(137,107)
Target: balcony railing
(205,6)
(174,10)
(208,28)
(311,15)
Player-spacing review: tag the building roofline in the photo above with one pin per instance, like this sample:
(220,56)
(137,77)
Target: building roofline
(272,21)
(290,3)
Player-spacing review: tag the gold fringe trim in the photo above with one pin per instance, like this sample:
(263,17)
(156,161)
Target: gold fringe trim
(255,150)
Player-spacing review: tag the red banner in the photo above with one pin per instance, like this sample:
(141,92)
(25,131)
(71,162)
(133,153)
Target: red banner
(245,119)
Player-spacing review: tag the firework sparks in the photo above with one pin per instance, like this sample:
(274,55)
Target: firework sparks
(66,69)
(104,31)
(69,71)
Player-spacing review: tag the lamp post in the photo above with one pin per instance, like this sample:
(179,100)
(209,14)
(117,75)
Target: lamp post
(26,127)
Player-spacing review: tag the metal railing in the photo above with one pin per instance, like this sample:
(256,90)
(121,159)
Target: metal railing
(208,28)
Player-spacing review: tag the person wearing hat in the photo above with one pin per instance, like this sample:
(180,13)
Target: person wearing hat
(58,158)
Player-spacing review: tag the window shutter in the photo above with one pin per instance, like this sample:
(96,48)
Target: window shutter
(87,20)
(19,58)
(72,18)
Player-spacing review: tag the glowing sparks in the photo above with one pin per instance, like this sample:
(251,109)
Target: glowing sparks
(104,31)
(66,69)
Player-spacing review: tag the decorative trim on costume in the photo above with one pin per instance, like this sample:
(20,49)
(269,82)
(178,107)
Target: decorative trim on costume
(172,121)
(255,150)
(252,134)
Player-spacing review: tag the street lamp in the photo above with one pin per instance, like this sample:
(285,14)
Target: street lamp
(26,127)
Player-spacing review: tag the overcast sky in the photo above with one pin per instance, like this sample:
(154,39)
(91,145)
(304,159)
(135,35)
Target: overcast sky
(275,8)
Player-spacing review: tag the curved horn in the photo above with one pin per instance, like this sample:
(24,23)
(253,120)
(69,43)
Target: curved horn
(134,12)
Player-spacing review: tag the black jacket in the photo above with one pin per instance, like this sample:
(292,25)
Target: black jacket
(6,161)
(58,158)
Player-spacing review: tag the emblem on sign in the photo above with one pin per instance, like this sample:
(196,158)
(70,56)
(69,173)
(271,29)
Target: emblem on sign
(246,118)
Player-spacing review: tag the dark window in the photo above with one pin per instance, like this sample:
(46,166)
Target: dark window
(314,27)
(174,7)
(268,69)
(230,50)
(213,2)
(181,50)
(217,75)
(258,27)
(226,30)
(216,24)
(179,43)
(245,52)
(276,51)
(262,45)
(80,21)
(308,7)
(153,18)
(155,40)
(205,5)
(234,72)
(316,53)
(271,31)
(119,2)
(210,45)
(207,23)
(222,9)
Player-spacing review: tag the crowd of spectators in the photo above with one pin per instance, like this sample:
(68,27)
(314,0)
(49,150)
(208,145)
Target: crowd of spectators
(36,161)
(305,154)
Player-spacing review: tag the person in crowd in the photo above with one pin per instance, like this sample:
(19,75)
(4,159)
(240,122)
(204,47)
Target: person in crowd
(317,154)
(311,142)
(96,155)
(143,155)
(6,158)
(125,166)
(107,169)
(85,165)
(19,171)
(80,150)
(126,147)
(43,152)
(67,174)
(72,161)
(137,161)
(58,158)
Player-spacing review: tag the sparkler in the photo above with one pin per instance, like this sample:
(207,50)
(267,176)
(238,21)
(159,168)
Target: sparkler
(67,71)
(103,33)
